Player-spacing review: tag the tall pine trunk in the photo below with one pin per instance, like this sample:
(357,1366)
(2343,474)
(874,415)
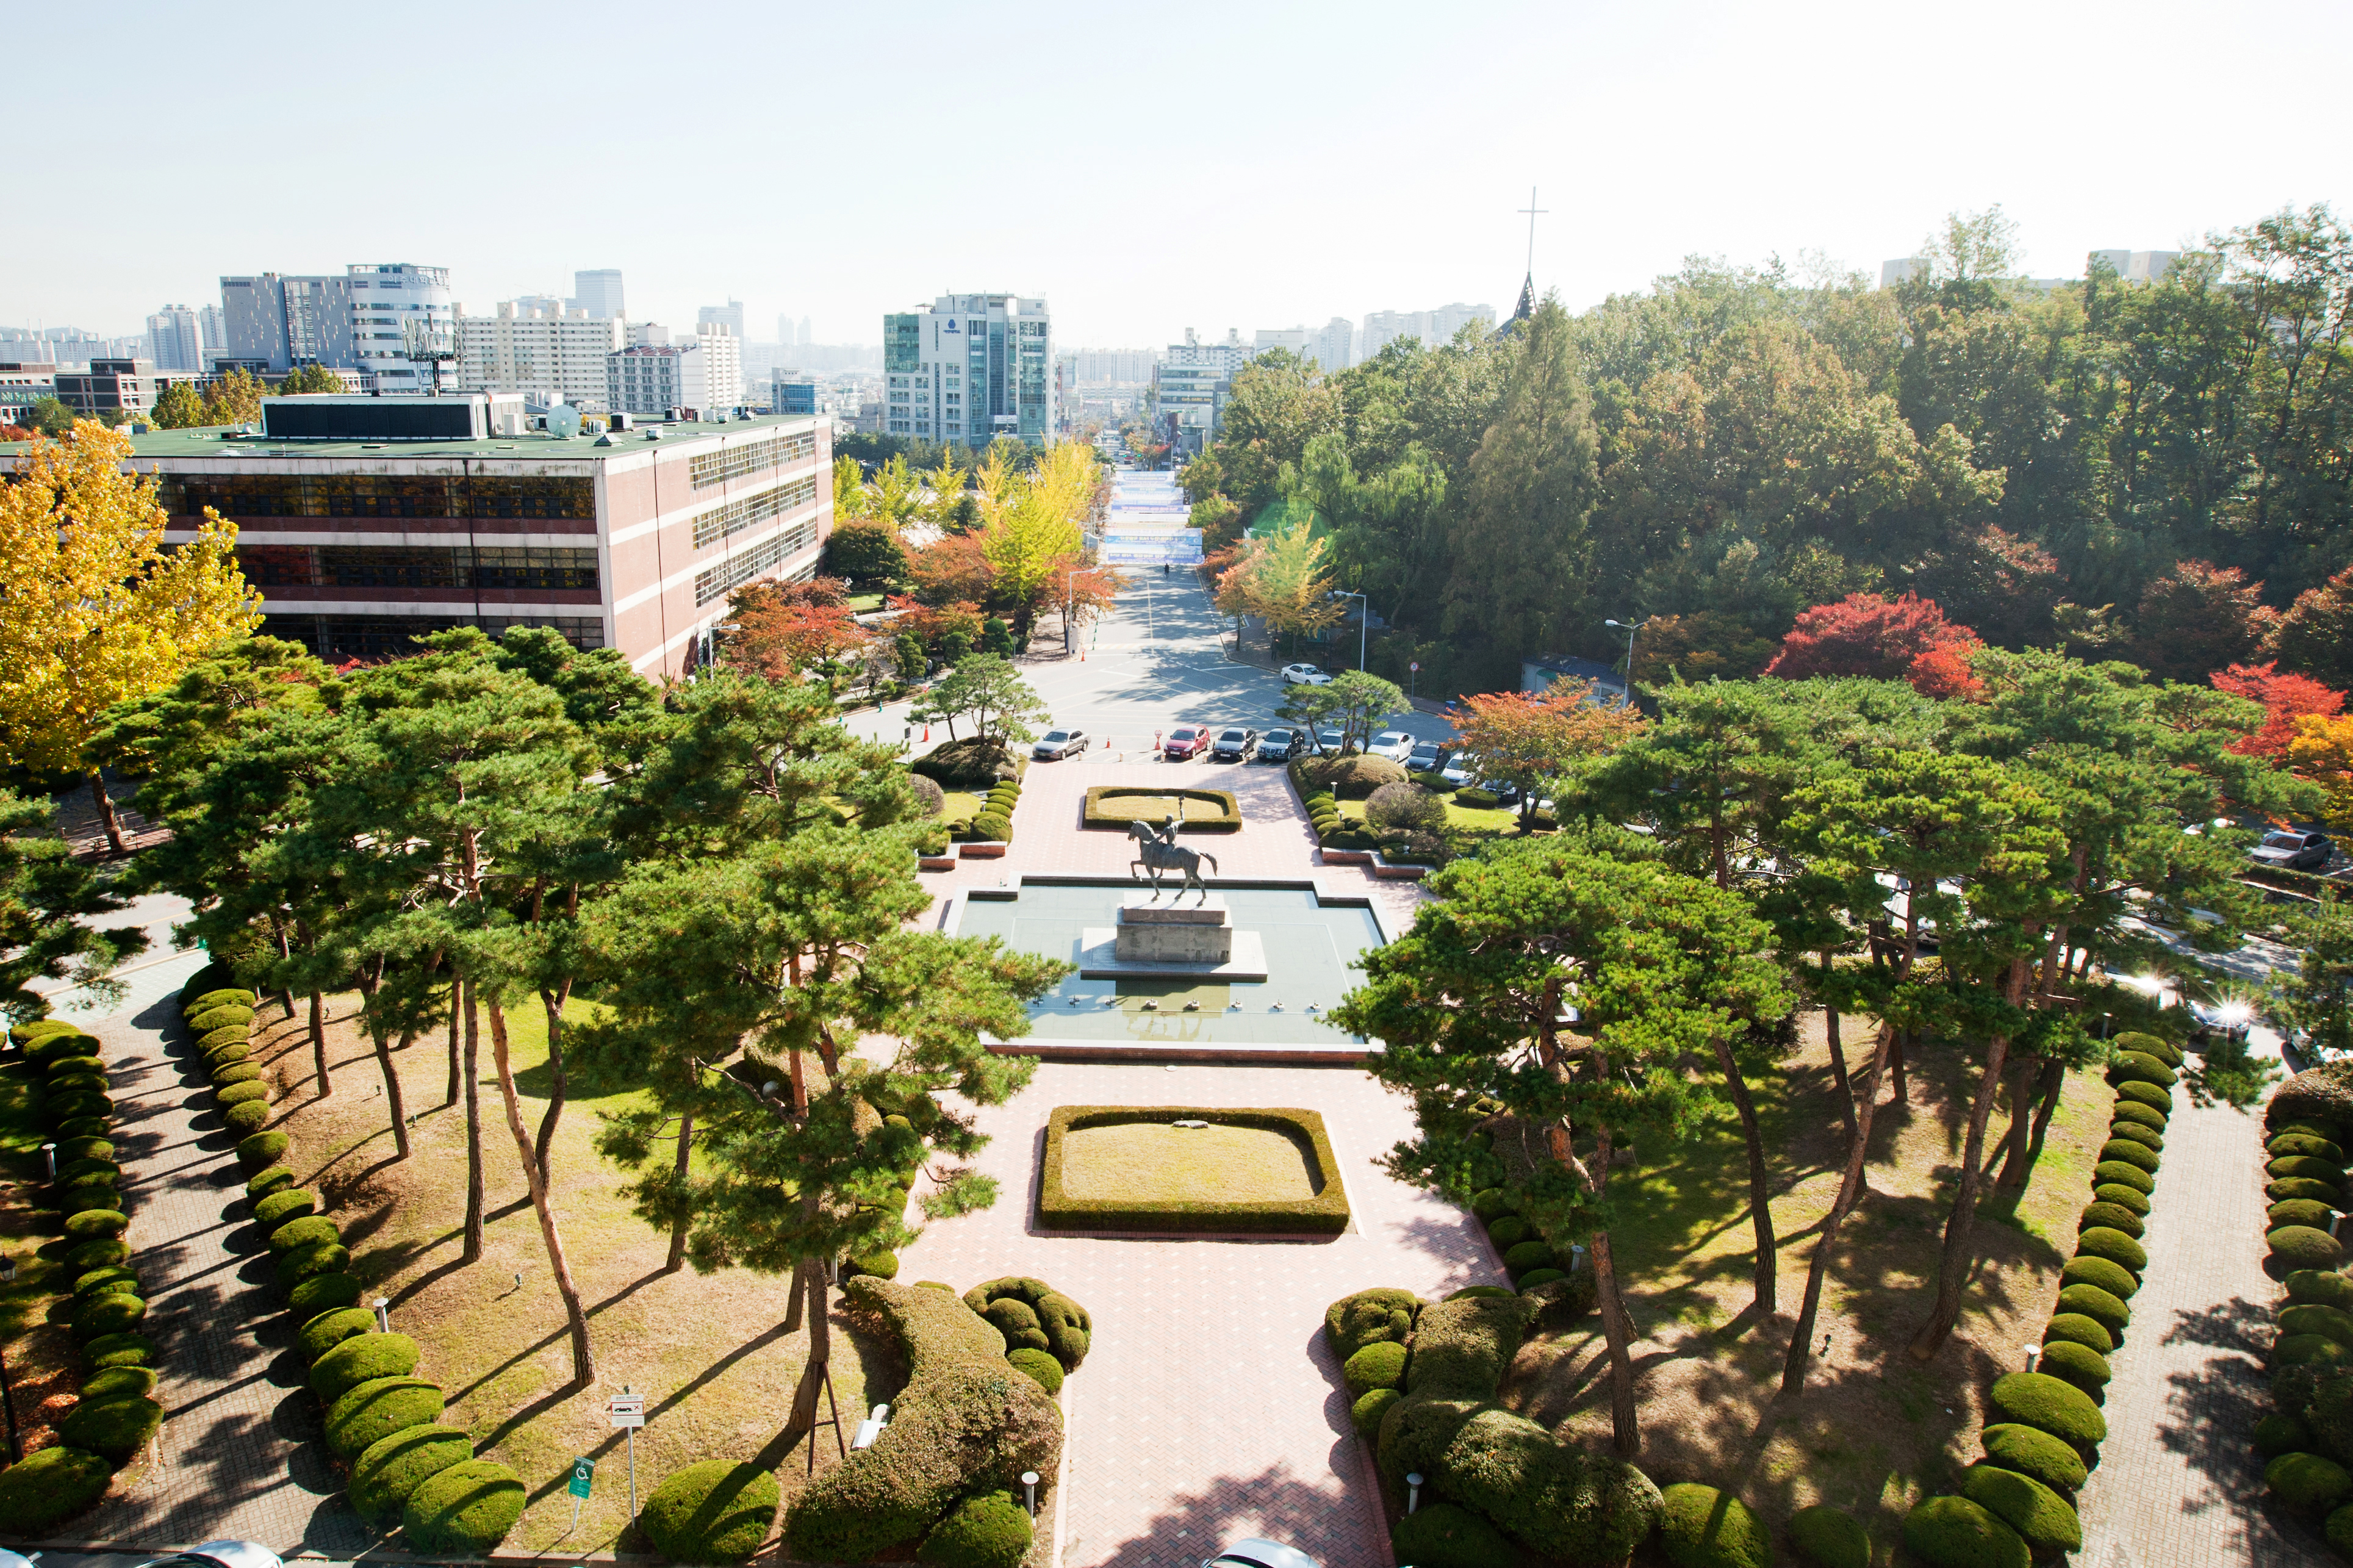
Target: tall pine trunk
(473,1253)
(584,1362)
(1760,1210)
(2018,1159)
(1960,1226)
(1618,1330)
(809,1280)
(2054,1082)
(1838,1059)
(680,1222)
(456,1023)
(319,1044)
(392,1098)
(105,803)
(561,1085)
(1858,1155)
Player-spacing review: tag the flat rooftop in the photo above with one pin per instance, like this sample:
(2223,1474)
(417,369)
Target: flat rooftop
(211,441)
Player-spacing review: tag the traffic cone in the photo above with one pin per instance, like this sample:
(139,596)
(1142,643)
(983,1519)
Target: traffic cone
(927,732)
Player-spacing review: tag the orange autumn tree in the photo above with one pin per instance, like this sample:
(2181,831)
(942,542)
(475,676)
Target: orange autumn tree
(1906,639)
(2322,751)
(1535,743)
(2286,698)
(777,630)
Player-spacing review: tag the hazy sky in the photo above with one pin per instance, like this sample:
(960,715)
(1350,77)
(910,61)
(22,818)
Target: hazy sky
(1143,167)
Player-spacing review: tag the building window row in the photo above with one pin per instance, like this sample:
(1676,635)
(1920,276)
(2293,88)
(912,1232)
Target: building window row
(746,511)
(707,469)
(337,638)
(454,566)
(378,495)
(718,579)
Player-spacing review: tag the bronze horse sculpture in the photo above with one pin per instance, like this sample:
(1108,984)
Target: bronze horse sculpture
(1160,852)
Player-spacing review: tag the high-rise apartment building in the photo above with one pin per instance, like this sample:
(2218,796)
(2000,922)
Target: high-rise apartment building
(361,320)
(704,374)
(598,293)
(1293,339)
(1192,383)
(174,340)
(210,332)
(550,354)
(1434,328)
(787,333)
(971,368)
(729,315)
(1113,366)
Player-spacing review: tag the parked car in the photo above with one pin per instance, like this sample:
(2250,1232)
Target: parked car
(1393,743)
(2288,850)
(1329,740)
(1057,744)
(1276,744)
(1460,766)
(1425,756)
(1234,745)
(1185,743)
(216,1554)
(2213,1021)
(1256,1554)
(1305,675)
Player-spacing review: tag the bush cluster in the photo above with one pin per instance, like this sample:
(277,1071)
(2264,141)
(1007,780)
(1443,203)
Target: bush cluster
(2019,1500)
(715,1511)
(993,823)
(2307,1440)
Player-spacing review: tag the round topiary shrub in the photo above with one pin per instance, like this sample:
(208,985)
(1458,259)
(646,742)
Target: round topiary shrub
(116,1428)
(363,1358)
(308,1231)
(86,1127)
(2311,1317)
(990,1531)
(73,1149)
(2122,1197)
(2305,1165)
(220,1037)
(464,1510)
(2143,1115)
(375,1411)
(236,1073)
(715,1511)
(2114,1216)
(91,1254)
(261,1149)
(250,1093)
(2114,1245)
(1491,1203)
(2034,1453)
(394,1466)
(323,1293)
(117,1383)
(1954,1532)
(1380,1365)
(246,1117)
(118,1350)
(330,1328)
(2280,1433)
(2298,1212)
(2292,1246)
(2308,1350)
(2140,1067)
(2130,1131)
(284,1204)
(1536,1277)
(2125,1151)
(51,1484)
(2043,1519)
(1443,1535)
(1705,1527)
(2112,1278)
(988,827)
(2104,1308)
(2278,1144)
(2079,1364)
(1068,1329)
(94,1083)
(1473,1291)
(2083,1331)
(1018,1321)
(1830,1538)
(99,1281)
(2339,1532)
(1365,1414)
(1040,1367)
(2157,1096)
(2116,1173)
(1509,1231)
(213,1018)
(1526,1255)
(2323,1286)
(2155,1045)
(2049,1405)
(304,1261)
(878,1265)
(112,1313)
(262,1183)
(89,1200)
(2308,1483)
(228,1054)
(1406,807)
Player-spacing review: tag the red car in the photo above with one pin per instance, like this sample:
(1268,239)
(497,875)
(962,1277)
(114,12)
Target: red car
(1185,742)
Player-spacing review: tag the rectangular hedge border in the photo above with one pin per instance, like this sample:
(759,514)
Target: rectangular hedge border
(1230,821)
(1326,1214)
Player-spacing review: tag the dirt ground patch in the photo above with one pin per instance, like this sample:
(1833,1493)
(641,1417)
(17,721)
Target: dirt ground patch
(1151,1162)
(1874,1430)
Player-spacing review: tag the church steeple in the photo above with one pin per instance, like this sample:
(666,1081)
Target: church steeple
(1527,306)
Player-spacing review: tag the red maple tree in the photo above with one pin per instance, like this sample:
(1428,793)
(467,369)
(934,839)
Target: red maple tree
(2285,699)
(1906,639)
(777,630)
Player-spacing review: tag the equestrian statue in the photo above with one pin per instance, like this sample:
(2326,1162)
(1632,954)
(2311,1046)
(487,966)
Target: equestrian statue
(1160,852)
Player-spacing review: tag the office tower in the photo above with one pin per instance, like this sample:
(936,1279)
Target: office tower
(173,342)
(209,330)
(971,368)
(361,321)
(729,315)
(785,333)
(807,336)
(598,293)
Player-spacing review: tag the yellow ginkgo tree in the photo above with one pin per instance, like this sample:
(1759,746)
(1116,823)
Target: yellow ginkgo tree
(1031,532)
(93,610)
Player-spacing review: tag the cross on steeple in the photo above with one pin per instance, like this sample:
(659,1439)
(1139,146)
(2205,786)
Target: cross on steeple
(1528,286)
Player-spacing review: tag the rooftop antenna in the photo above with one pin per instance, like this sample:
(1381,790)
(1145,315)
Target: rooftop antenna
(425,343)
(1528,287)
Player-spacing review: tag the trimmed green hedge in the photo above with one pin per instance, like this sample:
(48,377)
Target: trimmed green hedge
(1117,805)
(2278,1144)
(2157,1096)
(112,1313)
(1365,1414)
(2104,1308)
(118,1428)
(2294,1247)
(325,1331)
(2116,1173)
(1376,1366)
(367,1415)
(1703,1527)
(99,1281)
(464,1510)
(363,1358)
(2043,1519)
(119,1383)
(1040,1367)
(2114,1245)
(118,1350)
(50,1485)
(2298,1212)
(2280,1433)
(2140,1115)
(213,1018)
(2122,1197)
(322,1293)
(1063,1325)
(2308,1350)
(1325,1214)
(2325,1286)
(2309,1483)
(1367,1317)
(251,1092)
(394,1465)
(2087,1332)
(988,1530)
(2049,1405)
(2304,1165)
(262,1149)
(98,1254)
(1830,1537)
(715,1512)
(309,1231)
(1444,1535)
(2126,1151)
(263,1183)
(1549,1494)
(2079,1364)
(306,1262)
(2112,1278)
(246,1117)
(1954,1532)
(2033,1452)
(2140,1067)
(2134,1132)
(284,1205)
(2111,1216)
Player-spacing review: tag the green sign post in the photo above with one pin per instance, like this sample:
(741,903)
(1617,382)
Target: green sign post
(584,1472)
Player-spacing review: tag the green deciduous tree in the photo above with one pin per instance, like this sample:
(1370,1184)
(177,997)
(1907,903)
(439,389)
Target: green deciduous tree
(47,898)
(2317,1000)
(985,689)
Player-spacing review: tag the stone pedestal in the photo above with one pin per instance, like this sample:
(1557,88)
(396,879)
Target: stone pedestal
(1172,937)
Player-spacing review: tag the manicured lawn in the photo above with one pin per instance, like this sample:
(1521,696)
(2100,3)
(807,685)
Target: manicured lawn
(1463,819)
(1153,1161)
(861,603)
(960,808)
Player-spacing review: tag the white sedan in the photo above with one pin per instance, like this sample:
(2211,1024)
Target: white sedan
(1303,675)
(1393,743)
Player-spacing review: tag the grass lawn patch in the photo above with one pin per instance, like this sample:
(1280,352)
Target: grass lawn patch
(961,806)
(1130,1167)
(1205,811)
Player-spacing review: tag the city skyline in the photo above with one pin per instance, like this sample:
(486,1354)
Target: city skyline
(1696,129)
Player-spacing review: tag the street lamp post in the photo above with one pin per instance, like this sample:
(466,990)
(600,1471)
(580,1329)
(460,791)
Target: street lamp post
(1363,621)
(1629,631)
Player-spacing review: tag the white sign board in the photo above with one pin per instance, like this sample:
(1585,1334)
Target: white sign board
(626,1410)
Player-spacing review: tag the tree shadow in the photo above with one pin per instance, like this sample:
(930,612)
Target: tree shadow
(1319,1518)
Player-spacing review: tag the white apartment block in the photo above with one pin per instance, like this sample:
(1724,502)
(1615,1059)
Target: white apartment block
(1435,328)
(1113,366)
(173,339)
(650,379)
(545,352)
(1333,345)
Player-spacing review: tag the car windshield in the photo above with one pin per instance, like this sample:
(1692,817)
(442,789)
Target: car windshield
(1278,735)
(1425,749)
(1182,735)
(1232,735)
(2282,841)
(1054,734)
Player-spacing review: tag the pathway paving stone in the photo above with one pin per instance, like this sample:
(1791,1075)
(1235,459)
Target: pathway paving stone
(2178,1484)
(240,1455)
(1208,1408)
